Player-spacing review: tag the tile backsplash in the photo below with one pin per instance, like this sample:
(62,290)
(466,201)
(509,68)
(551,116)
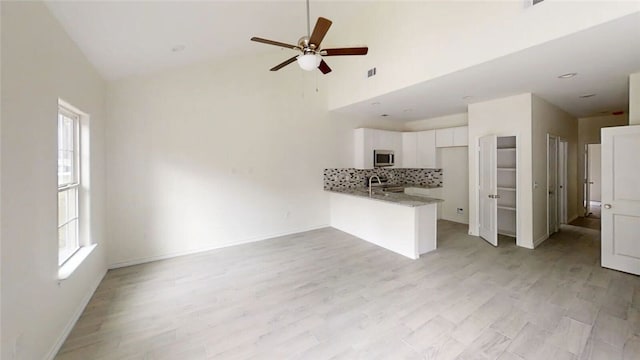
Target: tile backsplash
(349,178)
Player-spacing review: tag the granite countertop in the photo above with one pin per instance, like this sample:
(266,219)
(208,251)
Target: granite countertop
(420,186)
(389,197)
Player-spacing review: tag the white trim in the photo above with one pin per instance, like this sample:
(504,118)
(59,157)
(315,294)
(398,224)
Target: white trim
(74,261)
(148,259)
(74,318)
(540,240)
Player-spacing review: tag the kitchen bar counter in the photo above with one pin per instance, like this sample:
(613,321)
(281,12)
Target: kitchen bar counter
(398,222)
(390,197)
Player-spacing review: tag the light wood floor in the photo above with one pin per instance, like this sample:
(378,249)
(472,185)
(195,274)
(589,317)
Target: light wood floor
(325,294)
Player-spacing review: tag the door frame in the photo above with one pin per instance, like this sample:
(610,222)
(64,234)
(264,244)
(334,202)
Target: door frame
(563,157)
(561,206)
(555,189)
(476,185)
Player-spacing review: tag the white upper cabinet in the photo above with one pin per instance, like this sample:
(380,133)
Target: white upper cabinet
(444,137)
(457,136)
(419,149)
(410,150)
(461,136)
(367,140)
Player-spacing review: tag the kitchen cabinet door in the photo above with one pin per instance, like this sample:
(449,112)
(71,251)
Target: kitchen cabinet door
(427,149)
(460,136)
(444,137)
(409,150)
(363,148)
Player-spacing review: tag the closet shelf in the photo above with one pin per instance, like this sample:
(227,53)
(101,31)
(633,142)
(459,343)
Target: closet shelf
(506,188)
(506,169)
(506,149)
(503,207)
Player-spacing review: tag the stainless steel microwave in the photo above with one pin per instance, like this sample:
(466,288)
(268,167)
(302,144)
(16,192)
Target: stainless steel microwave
(383,158)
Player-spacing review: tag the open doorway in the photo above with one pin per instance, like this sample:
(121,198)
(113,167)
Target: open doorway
(593,183)
(591,188)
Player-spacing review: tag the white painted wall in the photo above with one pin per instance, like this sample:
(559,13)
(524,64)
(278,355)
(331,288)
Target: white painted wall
(634,99)
(589,133)
(212,155)
(455,180)
(510,116)
(39,65)
(476,32)
(549,119)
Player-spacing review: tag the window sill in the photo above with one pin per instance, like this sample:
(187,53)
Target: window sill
(65,271)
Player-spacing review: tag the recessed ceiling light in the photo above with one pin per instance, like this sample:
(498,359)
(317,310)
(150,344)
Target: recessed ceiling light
(587,96)
(177,48)
(567,75)
(375,103)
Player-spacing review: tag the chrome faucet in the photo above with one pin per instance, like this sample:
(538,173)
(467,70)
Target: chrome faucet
(370,181)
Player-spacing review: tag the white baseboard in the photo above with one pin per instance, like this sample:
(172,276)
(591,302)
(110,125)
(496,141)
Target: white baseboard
(455,220)
(148,259)
(74,318)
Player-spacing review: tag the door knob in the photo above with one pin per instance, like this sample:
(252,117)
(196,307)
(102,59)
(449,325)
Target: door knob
(607,206)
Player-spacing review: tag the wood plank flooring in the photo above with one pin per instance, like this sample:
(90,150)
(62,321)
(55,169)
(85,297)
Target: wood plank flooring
(324,294)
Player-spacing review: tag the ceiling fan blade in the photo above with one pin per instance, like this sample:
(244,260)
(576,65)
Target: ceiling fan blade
(324,67)
(319,31)
(276,43)
(345,51)
(284,63)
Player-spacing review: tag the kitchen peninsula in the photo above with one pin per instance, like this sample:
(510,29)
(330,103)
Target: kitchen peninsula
(402,223)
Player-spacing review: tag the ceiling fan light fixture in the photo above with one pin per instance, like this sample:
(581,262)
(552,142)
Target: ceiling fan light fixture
(309,62)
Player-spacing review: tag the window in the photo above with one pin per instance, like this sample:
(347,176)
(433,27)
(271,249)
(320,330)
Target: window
(68,183)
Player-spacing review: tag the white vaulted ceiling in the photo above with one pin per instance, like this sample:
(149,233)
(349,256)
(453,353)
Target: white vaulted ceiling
(135,37)
(124,38)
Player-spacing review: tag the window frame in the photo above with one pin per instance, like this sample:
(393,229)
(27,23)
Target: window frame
(75,184)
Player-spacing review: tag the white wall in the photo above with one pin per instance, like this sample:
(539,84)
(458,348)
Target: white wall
(39,65)
(549,119)
(589,133)
(510,116)
(212,155)
(476,32)
(455,179)
(634,99)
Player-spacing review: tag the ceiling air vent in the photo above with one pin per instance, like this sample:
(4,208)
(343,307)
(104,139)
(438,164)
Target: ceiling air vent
(529,3)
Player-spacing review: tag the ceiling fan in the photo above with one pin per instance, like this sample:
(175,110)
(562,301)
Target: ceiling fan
(309,46)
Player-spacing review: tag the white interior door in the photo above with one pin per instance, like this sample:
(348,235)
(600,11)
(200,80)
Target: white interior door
(621,198)
(487,183)
(552,184)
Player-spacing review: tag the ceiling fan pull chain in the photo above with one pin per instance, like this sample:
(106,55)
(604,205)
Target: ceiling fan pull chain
(308,21)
